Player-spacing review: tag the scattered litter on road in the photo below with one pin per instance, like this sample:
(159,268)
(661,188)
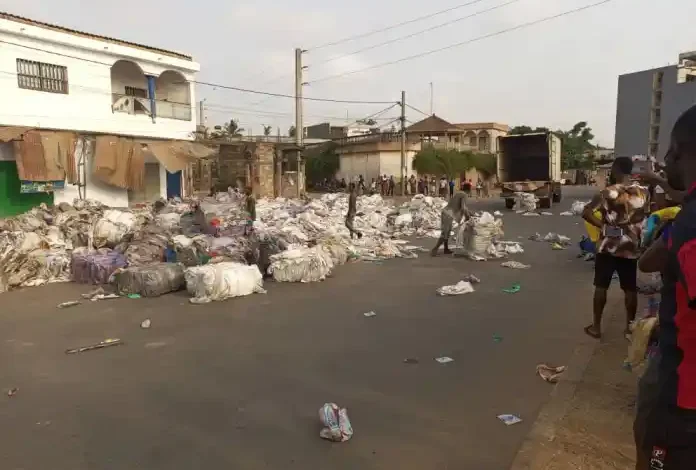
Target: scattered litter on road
(104,297)
(462,287)
(444,359)
(509,420)
(71,303)
(410,360)
(103,344)
(134,296)
(498,214)
(567,213)
(472,279)
(146,324)
(12,392)
(514,289)
(515,265)
(95,292)
(336,423)
(547,213)
(221,281)
(369,314)
(550,374)
(552,237)
(531,214)
(557,246)
(497,338)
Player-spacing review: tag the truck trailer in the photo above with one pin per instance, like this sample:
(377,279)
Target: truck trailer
(530,163)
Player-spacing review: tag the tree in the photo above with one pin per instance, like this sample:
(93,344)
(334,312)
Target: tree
(292,131)
(521,130)
(232,128)
(267,130)
(321,162)
(577,146)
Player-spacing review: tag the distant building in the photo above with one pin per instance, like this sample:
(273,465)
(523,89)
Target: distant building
(72,87)
(649,103)
(327,130)
(380,154)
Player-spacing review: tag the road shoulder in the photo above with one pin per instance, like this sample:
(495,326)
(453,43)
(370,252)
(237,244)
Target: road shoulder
(588,420)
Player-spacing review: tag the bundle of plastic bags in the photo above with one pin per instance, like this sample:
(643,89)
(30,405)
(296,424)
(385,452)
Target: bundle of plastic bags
(301,265)
(151,281)
(96,267)
(525,201)
(477,236)
(335,422)
(221,281)
(112,228)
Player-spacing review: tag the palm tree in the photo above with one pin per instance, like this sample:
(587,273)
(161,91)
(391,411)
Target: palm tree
(267,130)
(232,128)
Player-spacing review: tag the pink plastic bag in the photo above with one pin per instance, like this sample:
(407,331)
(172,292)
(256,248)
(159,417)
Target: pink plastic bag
(336,423)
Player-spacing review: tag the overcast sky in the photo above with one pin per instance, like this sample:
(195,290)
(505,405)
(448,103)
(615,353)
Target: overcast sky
(552,74)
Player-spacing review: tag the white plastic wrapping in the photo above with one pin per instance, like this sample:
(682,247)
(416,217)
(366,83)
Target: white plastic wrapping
(112,228)
(525,201)
(476,237)
(301,265)
(214,282)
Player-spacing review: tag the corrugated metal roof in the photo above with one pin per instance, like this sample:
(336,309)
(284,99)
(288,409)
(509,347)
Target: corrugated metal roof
(40,24)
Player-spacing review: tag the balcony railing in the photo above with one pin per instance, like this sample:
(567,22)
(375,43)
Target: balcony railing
(121,103)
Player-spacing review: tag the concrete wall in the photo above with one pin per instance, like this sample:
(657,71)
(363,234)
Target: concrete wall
(633,108)
(87,105)
(676,99)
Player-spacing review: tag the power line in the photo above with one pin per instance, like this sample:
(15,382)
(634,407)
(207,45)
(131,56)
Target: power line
(394,26)
(418,110)
(214,85)
(411,35)
(281,95)
(463,43)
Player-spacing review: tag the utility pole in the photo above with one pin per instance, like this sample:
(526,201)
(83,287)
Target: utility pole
(403,143)
(299,126)
(201,113)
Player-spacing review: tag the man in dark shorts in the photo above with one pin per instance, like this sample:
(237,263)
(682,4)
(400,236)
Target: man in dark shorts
(623,207)
(250,207)
(454,211)
(665,426)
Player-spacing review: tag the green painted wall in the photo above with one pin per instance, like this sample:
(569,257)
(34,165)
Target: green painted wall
(11,201)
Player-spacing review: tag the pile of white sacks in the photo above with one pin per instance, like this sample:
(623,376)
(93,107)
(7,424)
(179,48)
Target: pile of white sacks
(309,238)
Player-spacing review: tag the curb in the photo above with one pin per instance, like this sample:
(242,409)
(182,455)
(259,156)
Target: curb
(532,454)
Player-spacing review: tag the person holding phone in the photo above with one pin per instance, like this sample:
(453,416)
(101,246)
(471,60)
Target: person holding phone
(622,206)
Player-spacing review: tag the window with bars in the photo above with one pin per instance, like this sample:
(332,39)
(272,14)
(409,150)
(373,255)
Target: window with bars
(39,76)
(135,91)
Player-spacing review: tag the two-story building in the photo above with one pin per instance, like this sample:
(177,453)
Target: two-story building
(101,108)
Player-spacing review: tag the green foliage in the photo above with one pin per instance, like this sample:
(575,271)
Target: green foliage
(577,144)
(321,162)
(452,163)
(291,131)
(267,130)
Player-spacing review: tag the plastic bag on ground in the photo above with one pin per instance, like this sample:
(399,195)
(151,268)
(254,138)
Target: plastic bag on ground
(151,281)
(111,229)
(214,282)
(336,423)
(462,287)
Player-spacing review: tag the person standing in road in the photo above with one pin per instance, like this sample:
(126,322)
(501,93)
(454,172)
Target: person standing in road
(455,210)
(392,183)
(451,187)
(665,425)
(352,210)
(623,207)
(250,207)
(443,186)
(479,187)
(412,183)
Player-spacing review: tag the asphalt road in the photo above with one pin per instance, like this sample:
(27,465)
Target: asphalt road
(237,384)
